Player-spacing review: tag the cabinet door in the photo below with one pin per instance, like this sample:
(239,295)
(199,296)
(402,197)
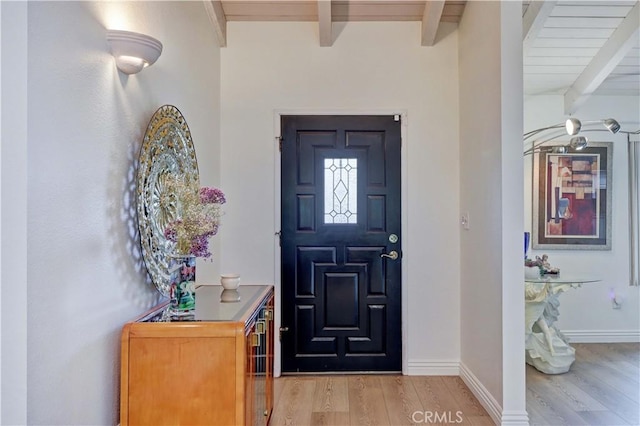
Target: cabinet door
(178,380)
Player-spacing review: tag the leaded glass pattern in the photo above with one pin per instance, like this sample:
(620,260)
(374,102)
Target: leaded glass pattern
(340,190)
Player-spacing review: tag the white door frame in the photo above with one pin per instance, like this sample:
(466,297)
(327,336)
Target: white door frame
(278,113)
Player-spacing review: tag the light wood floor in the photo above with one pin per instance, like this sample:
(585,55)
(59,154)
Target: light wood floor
(375,400)
(601,389)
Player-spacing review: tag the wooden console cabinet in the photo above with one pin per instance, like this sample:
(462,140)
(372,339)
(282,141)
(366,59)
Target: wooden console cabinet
(215,370)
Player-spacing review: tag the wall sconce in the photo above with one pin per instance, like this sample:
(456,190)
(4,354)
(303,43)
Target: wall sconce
(133,51)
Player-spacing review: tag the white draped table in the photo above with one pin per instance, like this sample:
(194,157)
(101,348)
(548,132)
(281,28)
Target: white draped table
(546,348)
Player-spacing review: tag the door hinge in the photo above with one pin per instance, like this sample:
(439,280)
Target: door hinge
(279,234)
(279,139)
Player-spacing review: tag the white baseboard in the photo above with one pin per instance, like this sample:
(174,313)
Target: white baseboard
(487,400)
(515,419)
(602,336)
(433,367)
(456,368)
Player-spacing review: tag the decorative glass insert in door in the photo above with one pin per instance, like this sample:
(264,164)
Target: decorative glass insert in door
(340,190)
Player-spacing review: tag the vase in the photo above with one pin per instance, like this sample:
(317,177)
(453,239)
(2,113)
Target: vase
(230,281)
(182,303)
(532,273)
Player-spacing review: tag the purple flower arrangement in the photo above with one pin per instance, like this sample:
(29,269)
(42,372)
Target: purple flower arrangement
(199,218)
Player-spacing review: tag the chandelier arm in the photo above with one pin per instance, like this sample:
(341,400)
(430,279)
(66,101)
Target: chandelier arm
(537,143)
(537,131)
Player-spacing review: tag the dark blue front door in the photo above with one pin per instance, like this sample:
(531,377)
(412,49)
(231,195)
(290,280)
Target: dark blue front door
(341,224)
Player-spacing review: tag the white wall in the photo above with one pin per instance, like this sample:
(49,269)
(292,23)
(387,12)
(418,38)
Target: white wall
(492,306)
(13,226)
(85,124)
(602,323)
(268,67)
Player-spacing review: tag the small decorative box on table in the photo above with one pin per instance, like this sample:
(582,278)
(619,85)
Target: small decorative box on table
(216,370)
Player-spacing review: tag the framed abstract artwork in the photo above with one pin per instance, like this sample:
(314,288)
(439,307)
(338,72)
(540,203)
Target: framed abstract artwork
(572,199)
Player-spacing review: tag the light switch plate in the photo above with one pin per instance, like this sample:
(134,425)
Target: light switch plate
(464,220)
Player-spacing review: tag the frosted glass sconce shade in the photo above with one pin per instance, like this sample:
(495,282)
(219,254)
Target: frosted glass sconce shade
(133,51)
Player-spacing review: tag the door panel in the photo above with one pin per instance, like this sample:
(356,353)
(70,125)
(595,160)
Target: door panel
(340,203)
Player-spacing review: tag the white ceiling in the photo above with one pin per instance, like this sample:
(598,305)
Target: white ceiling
(575,48)
(581,48)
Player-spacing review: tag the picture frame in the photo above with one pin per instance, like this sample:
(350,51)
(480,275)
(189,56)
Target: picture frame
(572,198)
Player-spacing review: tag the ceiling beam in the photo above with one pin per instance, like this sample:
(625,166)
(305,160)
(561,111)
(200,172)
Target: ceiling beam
(623,39)
(533,21)
(431,20)
(324,23)
(218,19)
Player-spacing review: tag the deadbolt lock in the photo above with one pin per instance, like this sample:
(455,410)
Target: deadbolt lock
(282,330)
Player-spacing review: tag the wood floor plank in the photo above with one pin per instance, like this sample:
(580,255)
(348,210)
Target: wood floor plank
(551,412)
(467,402)
(278,385)
(332,394)
(366,401)
(434,393)
(295,402)
(401,399)
(609,375)
(605,417)
(448,398)
(589,394)
(629,351)
(558,387)
(605,354)
(616,401)
(383,399)
(536,418)
(601,388)
(330,418)
(479,420)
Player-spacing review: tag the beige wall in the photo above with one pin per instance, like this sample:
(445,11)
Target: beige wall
(271,67)
(13,213)
(84,125)
(85,122)
(491,172)
(603,323)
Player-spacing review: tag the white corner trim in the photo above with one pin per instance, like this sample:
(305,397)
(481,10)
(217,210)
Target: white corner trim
(417,367)
(487,400)
(515,418)
(602,336)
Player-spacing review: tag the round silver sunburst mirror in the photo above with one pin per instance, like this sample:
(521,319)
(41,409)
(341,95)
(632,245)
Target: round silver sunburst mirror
(167,153)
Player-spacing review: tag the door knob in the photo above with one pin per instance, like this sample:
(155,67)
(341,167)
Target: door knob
(393,255)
